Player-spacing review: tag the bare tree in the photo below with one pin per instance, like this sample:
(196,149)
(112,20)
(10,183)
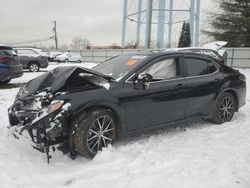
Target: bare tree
(64,47)
(79,43)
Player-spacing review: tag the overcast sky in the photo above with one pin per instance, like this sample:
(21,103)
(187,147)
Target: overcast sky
(98,20)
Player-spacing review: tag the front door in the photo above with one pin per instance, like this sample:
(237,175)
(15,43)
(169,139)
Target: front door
(162,101)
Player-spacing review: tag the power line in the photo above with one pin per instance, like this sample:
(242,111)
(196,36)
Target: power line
(31,27)
(32,41)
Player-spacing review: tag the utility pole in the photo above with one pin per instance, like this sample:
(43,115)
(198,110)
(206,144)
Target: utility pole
(54,29)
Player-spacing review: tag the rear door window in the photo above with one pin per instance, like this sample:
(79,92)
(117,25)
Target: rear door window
(196,67)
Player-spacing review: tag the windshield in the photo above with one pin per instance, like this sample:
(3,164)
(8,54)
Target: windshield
(119,66)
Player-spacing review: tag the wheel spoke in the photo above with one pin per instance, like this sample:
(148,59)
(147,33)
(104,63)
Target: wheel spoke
(99,124)
(106,138)
(95,136)
(98,144)
(93,131)
(103,122)
(105,131)
(94,145)
(107,126)
(104,142)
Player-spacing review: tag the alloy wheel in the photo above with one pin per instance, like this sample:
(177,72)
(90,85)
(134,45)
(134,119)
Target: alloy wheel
(226,109)
(100,133)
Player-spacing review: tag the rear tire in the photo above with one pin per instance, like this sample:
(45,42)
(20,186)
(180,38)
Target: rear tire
(96,131)
(34,67)
(224,109)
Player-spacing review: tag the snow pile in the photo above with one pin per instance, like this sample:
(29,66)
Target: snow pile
(203,155)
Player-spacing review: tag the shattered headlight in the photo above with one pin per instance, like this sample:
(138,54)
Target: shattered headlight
(54,106)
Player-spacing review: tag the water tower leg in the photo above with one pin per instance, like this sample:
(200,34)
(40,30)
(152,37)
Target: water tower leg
(148,24)
(124,23)
(192,5)
(197,23)
(138,27)
(161,23)
(170,23)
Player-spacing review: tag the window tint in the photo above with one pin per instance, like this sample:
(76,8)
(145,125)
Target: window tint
(164,69)
(196,67)
(2,53)
(7,53)
(24,51)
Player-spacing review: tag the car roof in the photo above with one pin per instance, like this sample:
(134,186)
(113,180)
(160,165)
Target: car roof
(162,53)
(189,48)
(5,46)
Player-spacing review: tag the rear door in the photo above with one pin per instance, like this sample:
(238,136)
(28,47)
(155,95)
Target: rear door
(201,84)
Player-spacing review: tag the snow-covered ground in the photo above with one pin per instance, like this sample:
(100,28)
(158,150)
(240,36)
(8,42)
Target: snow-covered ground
(203,155)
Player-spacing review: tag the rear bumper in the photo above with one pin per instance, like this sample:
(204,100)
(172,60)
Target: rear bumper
(10,72)
(241,96)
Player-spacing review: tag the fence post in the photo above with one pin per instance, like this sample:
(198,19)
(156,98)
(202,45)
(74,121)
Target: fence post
(106,54)
(232,61)
(92,54)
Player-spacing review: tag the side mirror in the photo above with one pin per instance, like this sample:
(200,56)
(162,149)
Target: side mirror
(142,80)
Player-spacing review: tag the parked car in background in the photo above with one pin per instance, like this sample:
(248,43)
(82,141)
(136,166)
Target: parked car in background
(52,55)
(32,59)
(69,57)
(10,66)
(213,50)
(85,110)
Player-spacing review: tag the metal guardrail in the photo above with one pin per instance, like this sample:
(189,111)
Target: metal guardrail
(236,57)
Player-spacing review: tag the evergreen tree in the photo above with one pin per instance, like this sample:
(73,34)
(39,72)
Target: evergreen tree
(185,39)
(233,23)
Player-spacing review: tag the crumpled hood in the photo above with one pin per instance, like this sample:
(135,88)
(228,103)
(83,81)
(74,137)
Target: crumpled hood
(55,79)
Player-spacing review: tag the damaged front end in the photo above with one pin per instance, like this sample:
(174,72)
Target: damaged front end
(42,106)
(43,118)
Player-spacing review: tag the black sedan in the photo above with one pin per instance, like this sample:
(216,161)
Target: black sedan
(81,110)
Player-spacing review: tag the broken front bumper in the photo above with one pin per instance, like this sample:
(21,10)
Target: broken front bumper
(45,130)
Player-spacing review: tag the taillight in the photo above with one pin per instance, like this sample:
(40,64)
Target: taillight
(242,77)
(5,60)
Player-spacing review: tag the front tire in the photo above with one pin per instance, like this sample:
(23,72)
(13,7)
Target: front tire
(224,109)
(96,131)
